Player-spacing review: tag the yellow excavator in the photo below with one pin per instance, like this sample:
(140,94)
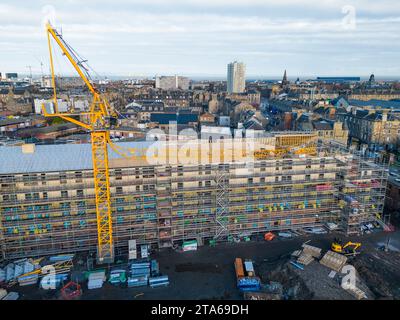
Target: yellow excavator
(348,248)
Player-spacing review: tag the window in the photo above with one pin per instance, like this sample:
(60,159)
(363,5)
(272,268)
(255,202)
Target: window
(180,171)
(308,177)
(63,178)
(64,194)
(180,185)
(28,196)
(78,176)
(118,190)
(79,193)
(44,195)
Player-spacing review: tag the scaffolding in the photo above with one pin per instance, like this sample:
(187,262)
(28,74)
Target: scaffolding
(45,213)
(222,202)
(362,193)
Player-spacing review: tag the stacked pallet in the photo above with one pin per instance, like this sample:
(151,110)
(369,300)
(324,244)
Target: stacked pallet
(334,261)
(357,293)
(305,259)
(312,251)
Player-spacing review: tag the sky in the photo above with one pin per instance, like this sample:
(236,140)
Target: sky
(200,37)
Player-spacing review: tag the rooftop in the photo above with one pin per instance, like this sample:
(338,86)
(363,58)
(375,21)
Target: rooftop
(391,104)
(48,158)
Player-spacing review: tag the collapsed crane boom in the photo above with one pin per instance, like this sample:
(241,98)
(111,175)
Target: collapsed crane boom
(99,115)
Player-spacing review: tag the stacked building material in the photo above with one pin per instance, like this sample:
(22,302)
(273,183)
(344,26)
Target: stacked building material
(117,276)
(2,275)
(140,273)
(138,281)
(305,259)
(261,296)
(312,251)
(158,281)
(29,279)
(9,272)
(63,266)
(11,296)
(60,258)
(96,279)
(333,260)
(189,245)
(3,293)
(18,270)
(155,269)
(248,265)
(285,235)
(21,271)
(53,281)
(140,269)
(357,293)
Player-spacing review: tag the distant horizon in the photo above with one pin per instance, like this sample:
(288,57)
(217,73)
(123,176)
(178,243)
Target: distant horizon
(213,77)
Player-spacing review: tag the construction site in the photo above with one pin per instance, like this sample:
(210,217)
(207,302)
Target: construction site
(50,208)
(84,209)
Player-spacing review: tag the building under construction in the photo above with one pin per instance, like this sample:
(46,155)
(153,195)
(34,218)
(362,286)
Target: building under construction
(292,181)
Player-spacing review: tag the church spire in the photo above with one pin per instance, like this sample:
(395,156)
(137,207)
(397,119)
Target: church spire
(284,80)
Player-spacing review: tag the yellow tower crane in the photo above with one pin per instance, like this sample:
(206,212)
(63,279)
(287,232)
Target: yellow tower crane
(99,118)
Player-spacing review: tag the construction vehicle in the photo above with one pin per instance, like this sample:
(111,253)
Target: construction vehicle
(349,248)
(249,283)
(100,120)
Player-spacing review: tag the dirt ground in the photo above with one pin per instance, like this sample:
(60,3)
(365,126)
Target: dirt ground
(208,273)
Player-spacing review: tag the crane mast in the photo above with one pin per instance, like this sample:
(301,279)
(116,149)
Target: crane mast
(99,116)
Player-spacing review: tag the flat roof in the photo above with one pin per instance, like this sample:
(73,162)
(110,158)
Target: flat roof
(55,157)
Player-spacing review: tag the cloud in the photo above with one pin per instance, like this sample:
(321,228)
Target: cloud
(201,36)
